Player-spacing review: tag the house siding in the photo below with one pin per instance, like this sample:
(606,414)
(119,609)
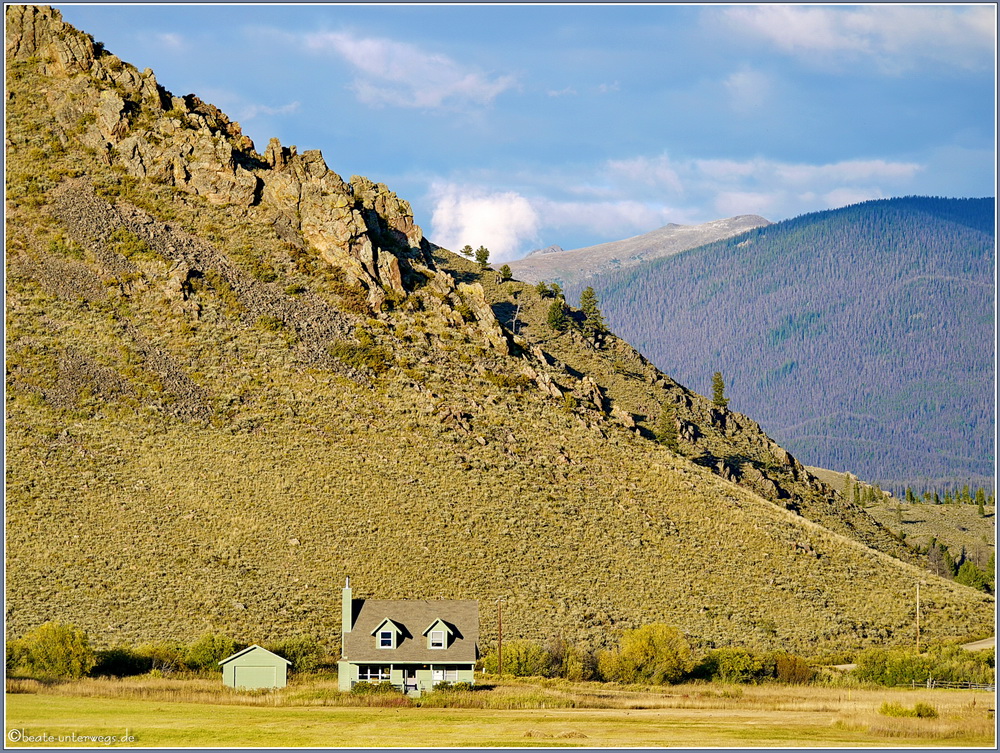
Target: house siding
(255,669)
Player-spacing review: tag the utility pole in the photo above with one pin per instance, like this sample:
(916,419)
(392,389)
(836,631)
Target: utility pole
(499,640)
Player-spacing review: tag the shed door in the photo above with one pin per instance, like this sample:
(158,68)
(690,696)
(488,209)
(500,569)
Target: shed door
(256,677)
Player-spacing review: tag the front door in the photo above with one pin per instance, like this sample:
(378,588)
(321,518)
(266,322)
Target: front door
(410,679)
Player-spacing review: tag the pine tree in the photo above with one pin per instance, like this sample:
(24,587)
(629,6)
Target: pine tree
(483,257)
(981,502)
(594,322)
(666,428)
(506,273)
(849,489)
(557,318)
(543,289)
(719,390)
(467,250)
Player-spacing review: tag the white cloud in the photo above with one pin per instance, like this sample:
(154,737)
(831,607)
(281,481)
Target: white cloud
(732,203)
(748,90)
(847,171)
(502,221)
(842,197)
(635,195)
(650,171)
(403,75)
(239,109)
(894,38)
(607,218)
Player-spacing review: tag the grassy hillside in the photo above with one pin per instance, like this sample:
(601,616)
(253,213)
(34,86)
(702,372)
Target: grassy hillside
(862,338)
(234,378)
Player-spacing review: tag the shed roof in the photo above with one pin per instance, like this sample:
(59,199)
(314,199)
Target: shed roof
(248,649)
(412,616)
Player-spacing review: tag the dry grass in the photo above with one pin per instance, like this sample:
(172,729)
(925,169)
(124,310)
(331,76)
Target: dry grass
(311,712)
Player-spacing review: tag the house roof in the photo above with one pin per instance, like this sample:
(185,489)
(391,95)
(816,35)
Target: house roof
(248,649)
(412,616)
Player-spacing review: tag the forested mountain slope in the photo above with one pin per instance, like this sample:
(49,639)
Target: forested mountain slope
(234,378)
(862,338)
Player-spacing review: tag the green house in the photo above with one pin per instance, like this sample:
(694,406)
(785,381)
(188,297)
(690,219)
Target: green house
(255,668)
(414,644)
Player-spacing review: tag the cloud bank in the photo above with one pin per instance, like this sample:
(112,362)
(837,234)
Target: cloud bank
(641,193)
(403,75)
(895,38)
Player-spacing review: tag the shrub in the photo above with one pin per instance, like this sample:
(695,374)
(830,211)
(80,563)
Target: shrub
(521,659)
(445,685)
(304,653)
(653,653)
(206,652)
(792,669)
(122,662)
(920,710)
(365,355)
(132,247)
(737,665)
(57,650)
(270,323)
(15,654)
(885,667)
(463,686)
(505,381)
(163,657)
(370,688)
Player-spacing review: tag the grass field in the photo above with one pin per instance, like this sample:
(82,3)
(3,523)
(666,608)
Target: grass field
(675,716)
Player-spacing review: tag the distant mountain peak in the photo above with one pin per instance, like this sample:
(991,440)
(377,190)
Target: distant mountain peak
(547,250)
(553,264)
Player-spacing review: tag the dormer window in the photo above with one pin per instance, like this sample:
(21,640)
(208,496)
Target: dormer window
(387,634)
(438,634)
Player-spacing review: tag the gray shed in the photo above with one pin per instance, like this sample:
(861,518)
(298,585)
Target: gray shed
(255,668)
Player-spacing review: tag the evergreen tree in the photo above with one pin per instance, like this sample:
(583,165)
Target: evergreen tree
(543,289)
(849,489)
(557,290)
(467,251)
(719,390)
(594,322)
(666,428)
(981,502)
(483,257)
(506,273)
(557,318)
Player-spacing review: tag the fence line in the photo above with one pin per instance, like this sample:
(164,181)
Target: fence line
(930,683)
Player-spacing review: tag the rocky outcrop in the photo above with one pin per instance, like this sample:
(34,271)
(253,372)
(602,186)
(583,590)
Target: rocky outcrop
(361,227)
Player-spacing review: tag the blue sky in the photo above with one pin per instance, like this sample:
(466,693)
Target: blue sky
(518,127)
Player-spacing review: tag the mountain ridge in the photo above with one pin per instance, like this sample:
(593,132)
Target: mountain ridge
(234,378)
(575,265)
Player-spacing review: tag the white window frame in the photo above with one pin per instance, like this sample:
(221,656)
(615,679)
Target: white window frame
(373,672)
(442,639)
(392,638)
